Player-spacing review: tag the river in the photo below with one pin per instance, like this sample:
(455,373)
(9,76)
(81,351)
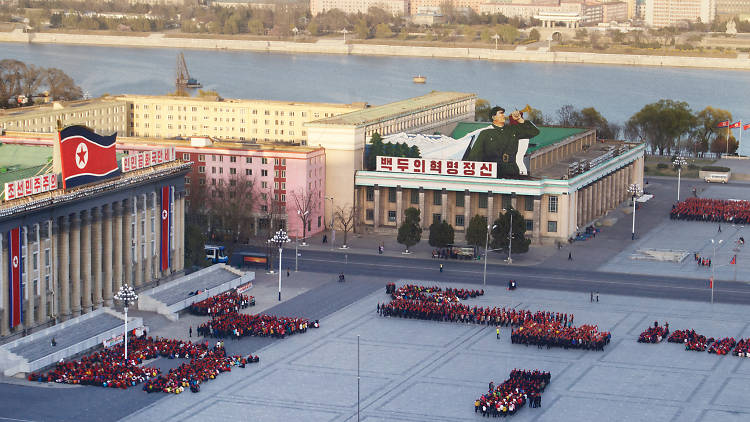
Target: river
(617,92)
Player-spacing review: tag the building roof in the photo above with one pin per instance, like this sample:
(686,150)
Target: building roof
(218,144)
(14,157)
(234,101)
(388,111)
(547,135)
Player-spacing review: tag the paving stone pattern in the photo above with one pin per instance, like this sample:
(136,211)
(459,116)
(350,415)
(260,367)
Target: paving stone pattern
(413,370)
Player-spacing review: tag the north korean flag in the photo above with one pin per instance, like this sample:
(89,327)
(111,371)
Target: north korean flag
(735,125)
(86,157)
(746,127)
(166,219)
(15,271)
(725,123)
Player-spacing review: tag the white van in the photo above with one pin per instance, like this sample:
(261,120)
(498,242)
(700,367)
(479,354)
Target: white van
(717,177)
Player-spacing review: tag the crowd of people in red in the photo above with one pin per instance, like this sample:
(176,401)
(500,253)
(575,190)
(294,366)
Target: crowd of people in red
(543,328)
(698,342)
(723,346)
(235,325)
(715,210)
(654,334)
(507,398)
(224,303)
(107,368)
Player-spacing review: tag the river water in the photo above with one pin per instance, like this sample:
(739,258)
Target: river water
(615,91)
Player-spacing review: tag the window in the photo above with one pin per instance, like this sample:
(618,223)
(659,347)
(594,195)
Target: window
(232,159)
(201,157)
(187,180)
(437,198)
(232,170)
(276,161)
(437,218)
(264,173)
(507,201)
(202,182)
(369,214)
(552,205)
(392,195)
(459,221)
(482,200)
(552,226)
(264,160)
(319,221)
(459,200)
(264,185)
(249,160)
(370,193)
(414,196)
(186,157)
(529,225)
(529,203)
(391,216)
(248,172)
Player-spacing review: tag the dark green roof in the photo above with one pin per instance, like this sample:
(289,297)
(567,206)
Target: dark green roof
(10,176)
(547,135)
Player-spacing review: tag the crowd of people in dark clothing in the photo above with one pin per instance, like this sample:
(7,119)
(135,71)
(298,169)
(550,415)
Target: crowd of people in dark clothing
(108,368)
(235,325)
(541,328)
(507,398)
(713,210)
(697,342)
(224,303)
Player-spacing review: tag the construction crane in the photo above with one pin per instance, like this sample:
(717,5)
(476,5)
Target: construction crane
(183,79)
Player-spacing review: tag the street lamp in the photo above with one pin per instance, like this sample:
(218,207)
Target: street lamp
(127,295)
(679,162)
(279,239)
(486,244)
(510,233)
(496,37)
(333,230)
(344,31)
(635,190)
(713,266)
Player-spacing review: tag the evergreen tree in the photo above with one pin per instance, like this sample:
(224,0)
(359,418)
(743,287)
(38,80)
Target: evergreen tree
(501,231)
(376,148)
(476,233)
(410,233)
(441,234)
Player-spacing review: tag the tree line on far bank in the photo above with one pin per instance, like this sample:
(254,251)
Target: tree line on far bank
(24,84)
(667,127)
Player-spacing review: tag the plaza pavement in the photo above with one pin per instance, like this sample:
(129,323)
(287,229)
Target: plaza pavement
(414,370)
(691,236)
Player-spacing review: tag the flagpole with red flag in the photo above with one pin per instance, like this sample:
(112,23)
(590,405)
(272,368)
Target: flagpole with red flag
(734,125)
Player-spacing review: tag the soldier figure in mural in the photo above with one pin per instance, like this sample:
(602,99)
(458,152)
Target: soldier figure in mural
(504,143)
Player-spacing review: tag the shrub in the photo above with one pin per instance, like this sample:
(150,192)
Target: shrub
(693,167)
(715,168)
(662,166)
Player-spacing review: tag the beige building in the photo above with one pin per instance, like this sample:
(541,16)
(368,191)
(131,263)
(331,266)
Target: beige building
(179,117)
(661,13)
(395,7)
(574,179)
(344,137)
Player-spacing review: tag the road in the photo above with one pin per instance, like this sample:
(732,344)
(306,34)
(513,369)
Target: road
(527,277)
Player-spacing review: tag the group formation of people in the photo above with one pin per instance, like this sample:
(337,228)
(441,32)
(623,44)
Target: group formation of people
(553,333)
(700,343)
(224,303)
(430,293)
(654,334)
(714,210)
(507,398)
(235,325)
(108,368)
(702,261)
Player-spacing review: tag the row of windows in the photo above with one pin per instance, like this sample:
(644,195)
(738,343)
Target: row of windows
(437,199)
(195,109)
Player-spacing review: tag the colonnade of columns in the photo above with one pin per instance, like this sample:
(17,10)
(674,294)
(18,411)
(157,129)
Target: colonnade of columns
(75,263)
(603,195)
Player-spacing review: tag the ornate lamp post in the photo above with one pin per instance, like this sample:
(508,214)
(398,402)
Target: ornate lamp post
(126,295)
(333,229)
(495,37)
(679,162)
(510,233)
(279,239)
(636,191)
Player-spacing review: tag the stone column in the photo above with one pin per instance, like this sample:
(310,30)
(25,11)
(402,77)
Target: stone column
(181,233)
(4,285)
(43,272)
(96,256)
(399,205)
(157,235)
(535,237)
(376,211)
(173,232)
(444,205)
(75,265)
(579,207)
(63,268)
(107,265)
(490,209)
(86,260)
(422,210)
(117,240)
(127,242)
(149,276)
(137,239)
(589,204)
(467,207)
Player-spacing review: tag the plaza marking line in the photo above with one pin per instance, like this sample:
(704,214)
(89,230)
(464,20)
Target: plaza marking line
(616,283)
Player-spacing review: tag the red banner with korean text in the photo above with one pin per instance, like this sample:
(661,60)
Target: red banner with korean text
(15,272)
(166,223)
(436,166)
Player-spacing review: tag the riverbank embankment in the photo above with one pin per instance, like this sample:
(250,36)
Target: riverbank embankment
(742,62)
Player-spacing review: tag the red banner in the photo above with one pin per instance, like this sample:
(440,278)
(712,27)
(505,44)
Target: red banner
(735,125)
(15,271)
(166,217)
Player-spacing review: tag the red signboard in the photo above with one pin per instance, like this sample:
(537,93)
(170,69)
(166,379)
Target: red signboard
(166,217)
(147,159)
(434,166)
(15,271)
(30,186)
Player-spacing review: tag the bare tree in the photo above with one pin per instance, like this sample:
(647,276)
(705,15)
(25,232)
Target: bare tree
(346,218)
(306,204)
(231,201)
(61,86)
(270,211)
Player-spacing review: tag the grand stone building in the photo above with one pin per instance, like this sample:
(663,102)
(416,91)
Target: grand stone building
(79,246)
